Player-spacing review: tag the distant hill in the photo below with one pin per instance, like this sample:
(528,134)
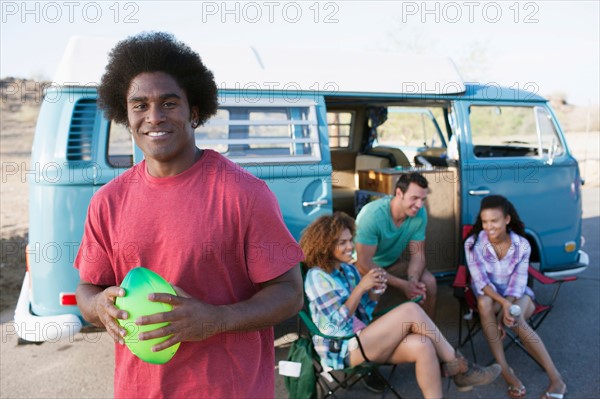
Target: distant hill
(575,118)
(17,93)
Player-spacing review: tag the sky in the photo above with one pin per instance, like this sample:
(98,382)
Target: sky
(548,47)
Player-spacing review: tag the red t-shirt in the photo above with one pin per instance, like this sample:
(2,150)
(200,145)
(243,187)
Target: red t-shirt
(214,230)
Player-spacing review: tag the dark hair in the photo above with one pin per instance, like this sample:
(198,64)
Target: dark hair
(319,239)
(155,52)
(406,178)
(499,202)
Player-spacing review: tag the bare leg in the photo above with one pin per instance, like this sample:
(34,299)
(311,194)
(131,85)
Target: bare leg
(386,340)
(407,334)
(430,301)
(421,351)
(488,308)
(536,347)
(381,338)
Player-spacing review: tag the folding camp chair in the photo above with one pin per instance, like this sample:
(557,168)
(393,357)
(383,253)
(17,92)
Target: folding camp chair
(468,307)
(329,382)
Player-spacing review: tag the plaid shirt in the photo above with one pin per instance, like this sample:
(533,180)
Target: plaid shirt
(507,276)
(327,294)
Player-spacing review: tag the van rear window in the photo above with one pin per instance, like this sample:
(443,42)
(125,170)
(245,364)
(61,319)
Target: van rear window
(339,127)
(120,146)
(263,134)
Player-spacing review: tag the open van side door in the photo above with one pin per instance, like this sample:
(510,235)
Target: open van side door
(516,149)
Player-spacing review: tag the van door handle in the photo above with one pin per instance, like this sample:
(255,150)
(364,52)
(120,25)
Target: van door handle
(479,192)
(315,203)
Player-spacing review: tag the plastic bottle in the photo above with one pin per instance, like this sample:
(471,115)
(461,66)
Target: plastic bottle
(515,312)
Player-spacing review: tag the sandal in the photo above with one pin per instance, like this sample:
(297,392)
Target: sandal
(517,392)
(554,395)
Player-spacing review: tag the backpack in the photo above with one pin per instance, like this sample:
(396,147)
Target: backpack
(303,387)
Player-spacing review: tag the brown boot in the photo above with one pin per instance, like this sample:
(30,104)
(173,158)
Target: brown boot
(467,374)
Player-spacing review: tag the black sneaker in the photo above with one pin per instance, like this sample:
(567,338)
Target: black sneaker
(374,383)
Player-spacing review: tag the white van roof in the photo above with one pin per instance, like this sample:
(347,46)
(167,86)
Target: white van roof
(323,70)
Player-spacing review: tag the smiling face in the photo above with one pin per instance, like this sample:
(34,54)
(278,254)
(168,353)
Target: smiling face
(408,204)
(344,247)
(494,223)
(161,123)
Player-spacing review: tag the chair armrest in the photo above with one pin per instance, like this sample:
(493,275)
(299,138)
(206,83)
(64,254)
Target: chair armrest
(543,279)
(314,330)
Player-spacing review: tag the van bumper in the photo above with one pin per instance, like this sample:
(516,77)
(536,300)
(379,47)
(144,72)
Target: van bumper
(34,328)
(581,265)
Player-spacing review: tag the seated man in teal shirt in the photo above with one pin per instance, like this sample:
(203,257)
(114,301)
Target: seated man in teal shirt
(388,226)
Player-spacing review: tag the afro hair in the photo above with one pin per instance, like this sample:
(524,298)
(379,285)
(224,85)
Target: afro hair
(155,52)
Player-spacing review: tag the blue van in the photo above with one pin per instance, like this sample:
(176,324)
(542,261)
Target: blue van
(327,131)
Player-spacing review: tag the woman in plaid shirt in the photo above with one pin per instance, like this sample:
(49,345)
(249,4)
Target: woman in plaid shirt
(341,303)
(498,259)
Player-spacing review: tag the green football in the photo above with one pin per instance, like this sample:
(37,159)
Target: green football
(138,283)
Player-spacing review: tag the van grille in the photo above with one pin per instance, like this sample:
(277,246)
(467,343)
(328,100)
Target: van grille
(79,146)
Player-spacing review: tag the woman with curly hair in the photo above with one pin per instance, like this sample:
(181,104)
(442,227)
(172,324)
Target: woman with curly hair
(341,302)
(498,259)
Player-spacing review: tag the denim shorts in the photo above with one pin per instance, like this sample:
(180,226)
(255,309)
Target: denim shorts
(352,345)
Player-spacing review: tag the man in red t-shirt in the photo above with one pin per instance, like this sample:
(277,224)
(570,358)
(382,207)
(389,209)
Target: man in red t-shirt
(206,225)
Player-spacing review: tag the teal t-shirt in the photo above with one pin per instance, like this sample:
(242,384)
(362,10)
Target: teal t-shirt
(376,227)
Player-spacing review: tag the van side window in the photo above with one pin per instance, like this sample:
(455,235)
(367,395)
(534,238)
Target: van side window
(412,129)
(339,126)
(120,146)
(262,134)
(214,133)
(512,131)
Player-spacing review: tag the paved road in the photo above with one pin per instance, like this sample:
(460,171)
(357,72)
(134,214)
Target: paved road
(82,367)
